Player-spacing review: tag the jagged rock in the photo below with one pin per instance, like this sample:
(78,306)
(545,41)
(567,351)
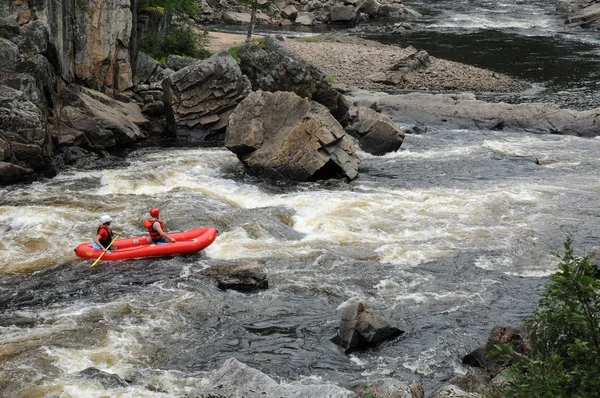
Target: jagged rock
(305,18)
(396,75)
(273,67)
(282,136)
(464,111)
(245,277)
(34,38)
(10,26)
(108,380)
(176,62)
(473,381)
(387,388)
(104,121)
(361,328)
(237,380)
(22,130)
(377,134)
(289,12)
(144,68)
(200,96)
(342,13)
(9,53)
(455,392)
(370,7)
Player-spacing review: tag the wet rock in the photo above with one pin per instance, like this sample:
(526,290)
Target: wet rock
(455,392)
(463,111)
(362,328)
(247,277)
(144,68)
(473,381)
(281,136)
(202,95)
(587,17)
(177,62)
(12,173)
(387,388)
(108,380)
(274,67)
(153,109)
(377,134)
(237,380)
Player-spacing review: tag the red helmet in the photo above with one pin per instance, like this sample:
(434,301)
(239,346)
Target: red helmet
(154,212)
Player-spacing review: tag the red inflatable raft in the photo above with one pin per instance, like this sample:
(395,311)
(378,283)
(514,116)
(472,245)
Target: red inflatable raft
(188,242)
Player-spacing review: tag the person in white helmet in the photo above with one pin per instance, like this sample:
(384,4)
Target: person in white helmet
(104,235)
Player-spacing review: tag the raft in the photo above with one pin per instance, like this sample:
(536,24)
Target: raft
(188,242)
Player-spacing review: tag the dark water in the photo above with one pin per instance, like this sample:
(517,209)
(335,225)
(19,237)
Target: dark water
(446,239)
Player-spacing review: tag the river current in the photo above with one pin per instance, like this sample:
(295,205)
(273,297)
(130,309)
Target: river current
(447,238)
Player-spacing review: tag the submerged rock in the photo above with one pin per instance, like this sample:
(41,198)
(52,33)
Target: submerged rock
(108,380)
(362,328)
(281,136)
(247,277)
(377,134)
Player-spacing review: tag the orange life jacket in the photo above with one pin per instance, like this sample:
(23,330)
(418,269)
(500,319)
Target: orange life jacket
(149,224)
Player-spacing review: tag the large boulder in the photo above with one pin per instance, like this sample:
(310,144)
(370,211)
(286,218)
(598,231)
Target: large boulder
(237,380)
(12,173)
(586,17)
(199,98)
(343,14)
(283,136)
(362,328)
(273,67)
(176,62)
(377,134)
(104,121)
(305,18)
(145,67)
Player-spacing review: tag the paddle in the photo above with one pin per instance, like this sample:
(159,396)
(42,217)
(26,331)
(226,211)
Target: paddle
(102,254)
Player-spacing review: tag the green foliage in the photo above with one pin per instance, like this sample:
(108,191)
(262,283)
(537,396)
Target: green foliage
(233,52)
(4,33)
(564,334)
(330,80)
(180,40)
(189,7)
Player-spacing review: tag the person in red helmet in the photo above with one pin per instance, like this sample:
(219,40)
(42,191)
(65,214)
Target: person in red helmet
(156,228)
(105,235)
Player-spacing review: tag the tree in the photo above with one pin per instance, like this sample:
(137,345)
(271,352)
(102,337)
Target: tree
(565,336)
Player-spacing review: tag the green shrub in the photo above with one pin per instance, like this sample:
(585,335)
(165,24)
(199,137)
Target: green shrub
(188,7)
(4,33)
(564,334)
(233,52)
(180,40)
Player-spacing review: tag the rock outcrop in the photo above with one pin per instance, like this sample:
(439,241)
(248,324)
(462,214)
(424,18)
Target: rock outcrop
(362,328)
(463,111)
(271,66)
(414,61)
(199,98)
(387,388)
(585,14)
(377,134)
(281,136)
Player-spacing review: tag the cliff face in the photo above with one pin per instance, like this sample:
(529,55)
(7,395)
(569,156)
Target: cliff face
(50,48)
(92,38)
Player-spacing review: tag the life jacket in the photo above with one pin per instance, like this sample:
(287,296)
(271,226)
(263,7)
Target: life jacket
(149,224)
(105,242)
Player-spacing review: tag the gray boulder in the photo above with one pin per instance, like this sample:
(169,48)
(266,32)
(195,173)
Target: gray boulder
(342,13)
(273,67)
(9,53)
(281,136)
(199,98)
(305,18)
(464,111)
(108,380)
(289,12)
(145,67)
(415,61)
(176,62)
(362,328)
(34,38)
(587,17)
(12,173)
(237,380)
(104,121)
(247,277)
(377,134)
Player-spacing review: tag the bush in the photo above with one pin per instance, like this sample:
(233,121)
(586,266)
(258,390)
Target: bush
(180,40)
(564,334)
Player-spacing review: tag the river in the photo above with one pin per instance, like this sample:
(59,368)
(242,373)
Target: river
(446,239)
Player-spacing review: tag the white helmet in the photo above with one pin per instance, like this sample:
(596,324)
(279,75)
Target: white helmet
(105,218)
